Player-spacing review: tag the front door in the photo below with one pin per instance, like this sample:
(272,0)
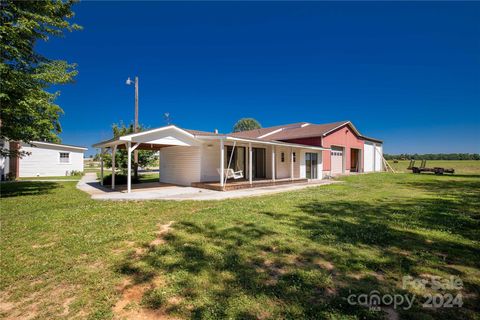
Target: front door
(311,160)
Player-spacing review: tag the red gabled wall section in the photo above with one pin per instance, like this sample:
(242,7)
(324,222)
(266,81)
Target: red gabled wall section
(342,137)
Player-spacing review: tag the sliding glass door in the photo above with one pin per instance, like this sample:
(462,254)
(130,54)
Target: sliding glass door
(311,160)
(238,161)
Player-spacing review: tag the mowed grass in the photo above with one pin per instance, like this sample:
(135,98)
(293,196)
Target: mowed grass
(293,255)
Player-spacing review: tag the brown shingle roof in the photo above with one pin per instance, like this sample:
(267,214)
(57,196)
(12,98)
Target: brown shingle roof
(313,130)
(290,131)
(200,133)
(263,131)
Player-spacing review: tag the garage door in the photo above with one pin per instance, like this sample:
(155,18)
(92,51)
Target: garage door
(336,156)
(369,157)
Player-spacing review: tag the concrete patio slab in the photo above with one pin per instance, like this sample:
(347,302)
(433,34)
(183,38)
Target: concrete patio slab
(160,191)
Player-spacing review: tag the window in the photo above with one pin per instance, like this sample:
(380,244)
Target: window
(64,157)
(282,156)
(294,157)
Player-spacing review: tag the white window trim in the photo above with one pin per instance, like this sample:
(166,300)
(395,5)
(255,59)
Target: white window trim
(59,157)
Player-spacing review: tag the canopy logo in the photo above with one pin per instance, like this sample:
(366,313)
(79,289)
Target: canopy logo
(374,300)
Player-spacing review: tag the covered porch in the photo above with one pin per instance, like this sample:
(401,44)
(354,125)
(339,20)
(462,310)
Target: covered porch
(151,140)
(230,163)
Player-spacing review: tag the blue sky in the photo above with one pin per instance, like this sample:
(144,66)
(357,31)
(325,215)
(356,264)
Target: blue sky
(408,73)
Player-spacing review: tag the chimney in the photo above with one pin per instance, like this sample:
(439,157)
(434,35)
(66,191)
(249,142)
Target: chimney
(216,131)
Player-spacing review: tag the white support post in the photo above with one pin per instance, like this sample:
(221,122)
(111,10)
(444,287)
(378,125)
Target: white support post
(222,152)
(158,165)
(129,167)
(291,163)
(114,151)
(273,163)
(101,165)
(250,160)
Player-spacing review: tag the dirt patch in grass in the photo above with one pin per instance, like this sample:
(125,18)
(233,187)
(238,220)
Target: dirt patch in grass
(132,293)
(163,229)
(324,264)
(129,306)
(39,303)
(40,246)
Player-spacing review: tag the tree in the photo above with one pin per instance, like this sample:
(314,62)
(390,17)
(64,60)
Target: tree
(28,110)
(246,124)
(145,157)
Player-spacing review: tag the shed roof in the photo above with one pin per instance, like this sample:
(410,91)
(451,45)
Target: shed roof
(59,145)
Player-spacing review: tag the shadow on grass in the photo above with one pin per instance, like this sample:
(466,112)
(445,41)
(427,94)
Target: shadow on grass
(15,189)
(319,253)
(235,272)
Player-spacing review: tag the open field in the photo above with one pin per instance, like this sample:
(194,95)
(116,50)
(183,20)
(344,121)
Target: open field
(291,255)
(460,166)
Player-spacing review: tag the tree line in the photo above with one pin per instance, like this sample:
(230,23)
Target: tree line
(433,156)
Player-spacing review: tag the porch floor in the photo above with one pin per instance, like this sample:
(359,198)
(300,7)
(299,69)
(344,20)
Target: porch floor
(159,191)
(245,184)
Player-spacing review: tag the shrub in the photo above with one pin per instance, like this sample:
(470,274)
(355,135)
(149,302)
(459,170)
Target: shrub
(76,173)
(119,179)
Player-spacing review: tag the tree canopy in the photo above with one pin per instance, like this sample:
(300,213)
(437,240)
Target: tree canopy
(246,124)
(29,111)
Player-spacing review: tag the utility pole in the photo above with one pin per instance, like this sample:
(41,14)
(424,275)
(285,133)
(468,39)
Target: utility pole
(135,129)
(135,153)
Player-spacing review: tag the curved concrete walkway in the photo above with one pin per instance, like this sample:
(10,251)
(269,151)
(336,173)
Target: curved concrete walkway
(159,191)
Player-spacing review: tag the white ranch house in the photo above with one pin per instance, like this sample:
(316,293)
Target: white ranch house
(189,157)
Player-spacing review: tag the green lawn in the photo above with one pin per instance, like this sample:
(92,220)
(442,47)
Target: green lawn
(292,255)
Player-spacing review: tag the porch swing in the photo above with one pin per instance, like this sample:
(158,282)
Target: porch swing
(229,173)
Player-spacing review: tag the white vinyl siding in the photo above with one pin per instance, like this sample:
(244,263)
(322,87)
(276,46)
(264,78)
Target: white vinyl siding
(283,168)
(378,157)
(180,165)
(368,157)
(372,157)
(44,161)
(210,160)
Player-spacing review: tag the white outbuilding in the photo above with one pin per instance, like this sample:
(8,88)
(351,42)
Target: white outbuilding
(42,159)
